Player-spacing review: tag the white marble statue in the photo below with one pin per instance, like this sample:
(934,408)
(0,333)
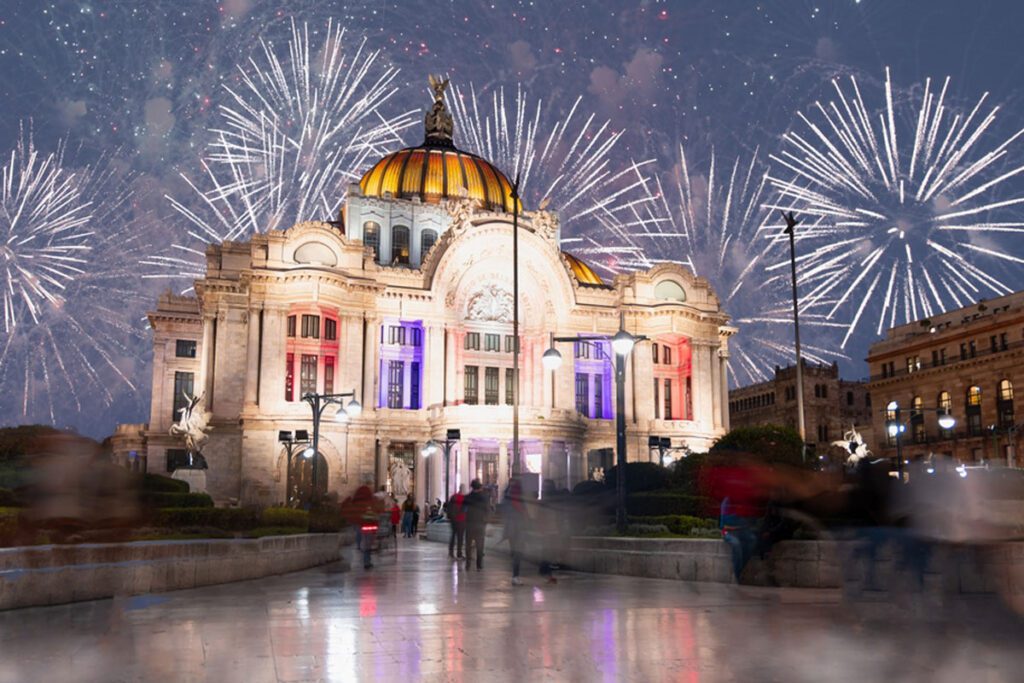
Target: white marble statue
(401,479)
(859,450)
(193,425)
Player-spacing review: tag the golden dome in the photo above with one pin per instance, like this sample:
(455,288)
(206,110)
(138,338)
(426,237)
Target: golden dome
(583,273)
(434,172)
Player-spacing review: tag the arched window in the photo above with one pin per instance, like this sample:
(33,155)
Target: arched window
(892,424)
(944,404)
(974,410)
(1005,403)
(892,410)
(427,240)
(669,290)
(399,245)
(371,236)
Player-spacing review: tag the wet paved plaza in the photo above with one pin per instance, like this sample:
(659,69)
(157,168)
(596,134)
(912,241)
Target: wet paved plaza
(418,617)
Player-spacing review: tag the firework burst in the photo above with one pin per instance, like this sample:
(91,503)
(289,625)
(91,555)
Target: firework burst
(293,133)
(714,222)
(904,205)
(561,159)
(71,300)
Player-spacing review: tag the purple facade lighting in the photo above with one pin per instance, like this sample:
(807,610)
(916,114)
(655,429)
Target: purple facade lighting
(401,364)
(594,360)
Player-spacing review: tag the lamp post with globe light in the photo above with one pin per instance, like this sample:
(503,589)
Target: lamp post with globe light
(318,403)
(895,427)
(622,343)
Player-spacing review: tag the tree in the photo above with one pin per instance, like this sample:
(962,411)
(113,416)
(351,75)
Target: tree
(640,476)
(771,443)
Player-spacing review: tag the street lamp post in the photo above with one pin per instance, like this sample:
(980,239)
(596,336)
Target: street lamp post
(291,445)
(318,403)
(622,344)
(516,466)
(791,223)
(895,427)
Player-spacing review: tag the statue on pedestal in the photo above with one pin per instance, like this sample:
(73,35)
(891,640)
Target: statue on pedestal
(192,427)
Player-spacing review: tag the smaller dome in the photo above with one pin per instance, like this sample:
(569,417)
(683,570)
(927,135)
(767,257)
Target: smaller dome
(583,273)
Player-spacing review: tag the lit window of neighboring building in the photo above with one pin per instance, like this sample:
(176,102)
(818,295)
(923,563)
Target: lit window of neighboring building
(974,410)
(1005,403)
(185,348)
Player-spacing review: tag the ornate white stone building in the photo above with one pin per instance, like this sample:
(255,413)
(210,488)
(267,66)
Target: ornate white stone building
(407,302)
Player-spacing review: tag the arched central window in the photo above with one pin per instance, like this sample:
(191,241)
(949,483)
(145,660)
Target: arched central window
(399,245)
(974,410)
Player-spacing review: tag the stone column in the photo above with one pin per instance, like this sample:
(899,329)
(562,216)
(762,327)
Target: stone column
(371,361)
(433,367)
(724,384)
(644,386)
(383,462)
(716,387)
(206,362)
(502,465)
(422,474)
(450,390)
(252,356)
(702,390)
(273,359)
(350,354)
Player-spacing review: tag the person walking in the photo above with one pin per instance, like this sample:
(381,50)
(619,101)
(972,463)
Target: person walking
(517,521)
(396,517)
(455,510)
(415,519)
(477,508)
(407,512)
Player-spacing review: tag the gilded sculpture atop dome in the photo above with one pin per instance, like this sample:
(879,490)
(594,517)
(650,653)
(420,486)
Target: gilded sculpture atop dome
(438,121)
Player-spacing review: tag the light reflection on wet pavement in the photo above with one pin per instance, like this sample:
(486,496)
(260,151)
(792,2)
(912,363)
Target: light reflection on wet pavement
(422,618)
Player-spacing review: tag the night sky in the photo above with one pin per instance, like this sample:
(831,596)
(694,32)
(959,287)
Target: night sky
(128,97)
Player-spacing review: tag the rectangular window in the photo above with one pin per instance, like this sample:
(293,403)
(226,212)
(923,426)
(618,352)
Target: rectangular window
(472,387)
(913,363)
(668,399)
(973,348)
(510,386)
(582,393)
(185,348)
(824,390)
(657,400)
(307,375)
(849,398)
(963,351)
(291,326)
(491,379)
(396,377)
(509,342)
(330,329)
(599,396)
(654,353)
(311,326)
(414,385)
(472,342)
(396,335)
(183,384)
(329,374)
(416,335)
(492,342)
(581,350)
(942,356)
(1002,341)
(993,344)
(666,355)
(289,377)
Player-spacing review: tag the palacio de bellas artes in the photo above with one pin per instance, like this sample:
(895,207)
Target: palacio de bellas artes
(404,309)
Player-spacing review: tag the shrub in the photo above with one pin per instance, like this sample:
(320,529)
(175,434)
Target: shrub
(176,500)
(658,503)
(770,443)
(685,525)
(327,521)
(161,484)
(9,499)
(588,487)
(284,517)
(230,519)
(684,475)
(640,476)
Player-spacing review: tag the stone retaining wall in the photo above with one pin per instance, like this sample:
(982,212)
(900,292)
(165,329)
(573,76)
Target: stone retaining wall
(55,574)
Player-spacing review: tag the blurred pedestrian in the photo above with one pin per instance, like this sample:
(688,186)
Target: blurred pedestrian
(407,511)
(396,517)
(517,520)
(416,519)
(477,509)
(455,510)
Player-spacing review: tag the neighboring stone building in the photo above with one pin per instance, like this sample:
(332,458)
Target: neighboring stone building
(408,302)
(966,362)
(831,405)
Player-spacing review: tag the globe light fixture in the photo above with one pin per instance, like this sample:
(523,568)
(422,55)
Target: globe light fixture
(341,415)
(551,360)
(308,452)
(428,449)
(354,408)
(947,421)
(623,342)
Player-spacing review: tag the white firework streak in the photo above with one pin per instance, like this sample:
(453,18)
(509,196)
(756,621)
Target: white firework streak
(70,291)
(894,203)
(716,225)
(293,134)
(565,160)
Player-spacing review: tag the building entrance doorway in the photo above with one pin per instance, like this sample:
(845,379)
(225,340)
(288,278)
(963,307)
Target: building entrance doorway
(302,493)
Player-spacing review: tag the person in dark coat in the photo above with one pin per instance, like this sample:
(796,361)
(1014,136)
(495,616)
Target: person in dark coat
(517,521)
(477,508)
(455,511)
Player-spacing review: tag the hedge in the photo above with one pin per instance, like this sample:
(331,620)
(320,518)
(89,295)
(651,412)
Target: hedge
(160,484)
(280,517)
(176,500)
(230,519)
(678,524)
(326,521)
(658,503)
